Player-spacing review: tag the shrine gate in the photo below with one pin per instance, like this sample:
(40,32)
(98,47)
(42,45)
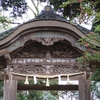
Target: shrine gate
(43,48)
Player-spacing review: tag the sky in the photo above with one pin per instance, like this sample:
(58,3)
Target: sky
(29,15)
(41,7)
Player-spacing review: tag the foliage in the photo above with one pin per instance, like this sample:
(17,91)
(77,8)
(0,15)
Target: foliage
(18,6)
(96,75)
(83,9)
(1,89)
(37,95)
(69,95)
(69,8)
(95,86)
(97,28)
(91,41)
(36,8)
(15,12)
(30,95)
(4,21)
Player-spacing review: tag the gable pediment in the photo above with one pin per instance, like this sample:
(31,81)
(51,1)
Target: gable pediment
(37,50)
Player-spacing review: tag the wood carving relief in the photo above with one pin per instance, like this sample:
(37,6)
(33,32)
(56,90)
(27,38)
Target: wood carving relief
(46,69)
(48,41)
(36,58)
(37,50)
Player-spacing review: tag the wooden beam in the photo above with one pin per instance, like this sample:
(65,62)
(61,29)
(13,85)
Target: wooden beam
(44,88)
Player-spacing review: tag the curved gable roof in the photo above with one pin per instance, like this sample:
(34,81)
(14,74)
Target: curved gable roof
(48,20)
(44,15)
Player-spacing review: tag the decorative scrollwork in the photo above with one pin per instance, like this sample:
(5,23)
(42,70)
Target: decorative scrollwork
(37,50)
(48,41)
(46,69)
(29,69)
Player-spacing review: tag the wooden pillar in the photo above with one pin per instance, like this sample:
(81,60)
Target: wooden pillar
(10,88)
(88,90)
(84,85)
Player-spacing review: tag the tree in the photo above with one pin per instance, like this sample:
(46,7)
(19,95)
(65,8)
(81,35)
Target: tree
(72,8)
(92,56)
(16,12)
(18,6)
(92,42)
(83,9)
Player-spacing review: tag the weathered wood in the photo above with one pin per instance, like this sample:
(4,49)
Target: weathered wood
(10,89)
(51,87)
(41,26)
(88,90)
(84,92)
(38,61)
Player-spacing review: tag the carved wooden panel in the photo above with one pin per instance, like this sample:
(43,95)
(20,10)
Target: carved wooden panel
(37,50)
(45,69)
(48,41)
